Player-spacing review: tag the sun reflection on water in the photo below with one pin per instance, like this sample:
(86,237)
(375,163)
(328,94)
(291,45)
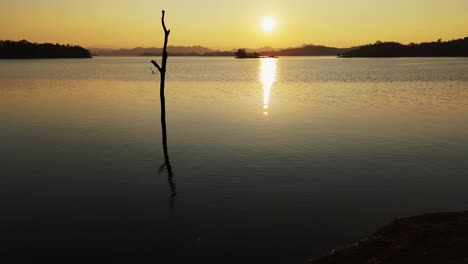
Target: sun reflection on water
(267,77)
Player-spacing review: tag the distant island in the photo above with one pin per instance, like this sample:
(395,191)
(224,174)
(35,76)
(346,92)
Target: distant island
(243,54)
(452,48)
(24,49)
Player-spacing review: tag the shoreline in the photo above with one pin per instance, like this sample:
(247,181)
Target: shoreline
(427,238)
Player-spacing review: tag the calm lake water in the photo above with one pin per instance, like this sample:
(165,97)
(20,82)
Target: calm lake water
(276,160)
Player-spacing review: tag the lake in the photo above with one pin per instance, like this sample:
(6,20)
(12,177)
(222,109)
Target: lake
(274,160)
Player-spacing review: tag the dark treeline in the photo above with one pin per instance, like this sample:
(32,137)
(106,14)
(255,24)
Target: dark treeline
(24,49)
(243,54)
(452,48)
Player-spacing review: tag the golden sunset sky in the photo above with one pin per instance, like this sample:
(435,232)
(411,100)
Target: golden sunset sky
(231,24)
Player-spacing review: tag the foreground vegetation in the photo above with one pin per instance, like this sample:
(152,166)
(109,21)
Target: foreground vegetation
(24,49)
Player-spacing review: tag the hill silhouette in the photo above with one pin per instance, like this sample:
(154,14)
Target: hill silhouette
(139,51)
(307,50)
(452,48)
(24,49)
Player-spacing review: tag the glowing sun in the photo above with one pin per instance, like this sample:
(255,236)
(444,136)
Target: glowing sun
(268,24)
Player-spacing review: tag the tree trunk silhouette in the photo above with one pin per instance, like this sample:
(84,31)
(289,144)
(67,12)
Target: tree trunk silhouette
(162,71)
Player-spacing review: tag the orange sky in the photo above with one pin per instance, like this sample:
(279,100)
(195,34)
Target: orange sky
(232,24)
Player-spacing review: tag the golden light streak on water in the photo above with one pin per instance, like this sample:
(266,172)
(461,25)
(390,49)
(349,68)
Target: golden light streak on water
(267,77)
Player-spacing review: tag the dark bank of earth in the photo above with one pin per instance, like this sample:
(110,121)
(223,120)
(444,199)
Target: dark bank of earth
(24,49)
(429,238)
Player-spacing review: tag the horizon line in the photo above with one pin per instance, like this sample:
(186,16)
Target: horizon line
(268,46)
(230,49)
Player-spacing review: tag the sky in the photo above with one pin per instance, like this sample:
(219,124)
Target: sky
(226,24)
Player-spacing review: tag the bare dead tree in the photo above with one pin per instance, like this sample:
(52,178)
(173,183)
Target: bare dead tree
(162,71)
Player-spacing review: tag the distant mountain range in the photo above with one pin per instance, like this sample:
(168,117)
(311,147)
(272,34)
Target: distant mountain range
(308,50)
(305,50)
(193,50)
(458,47)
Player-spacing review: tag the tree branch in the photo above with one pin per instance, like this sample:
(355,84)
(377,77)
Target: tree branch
(156,65)
(164,24)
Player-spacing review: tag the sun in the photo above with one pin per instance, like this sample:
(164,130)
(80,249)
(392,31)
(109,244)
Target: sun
(268,24)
